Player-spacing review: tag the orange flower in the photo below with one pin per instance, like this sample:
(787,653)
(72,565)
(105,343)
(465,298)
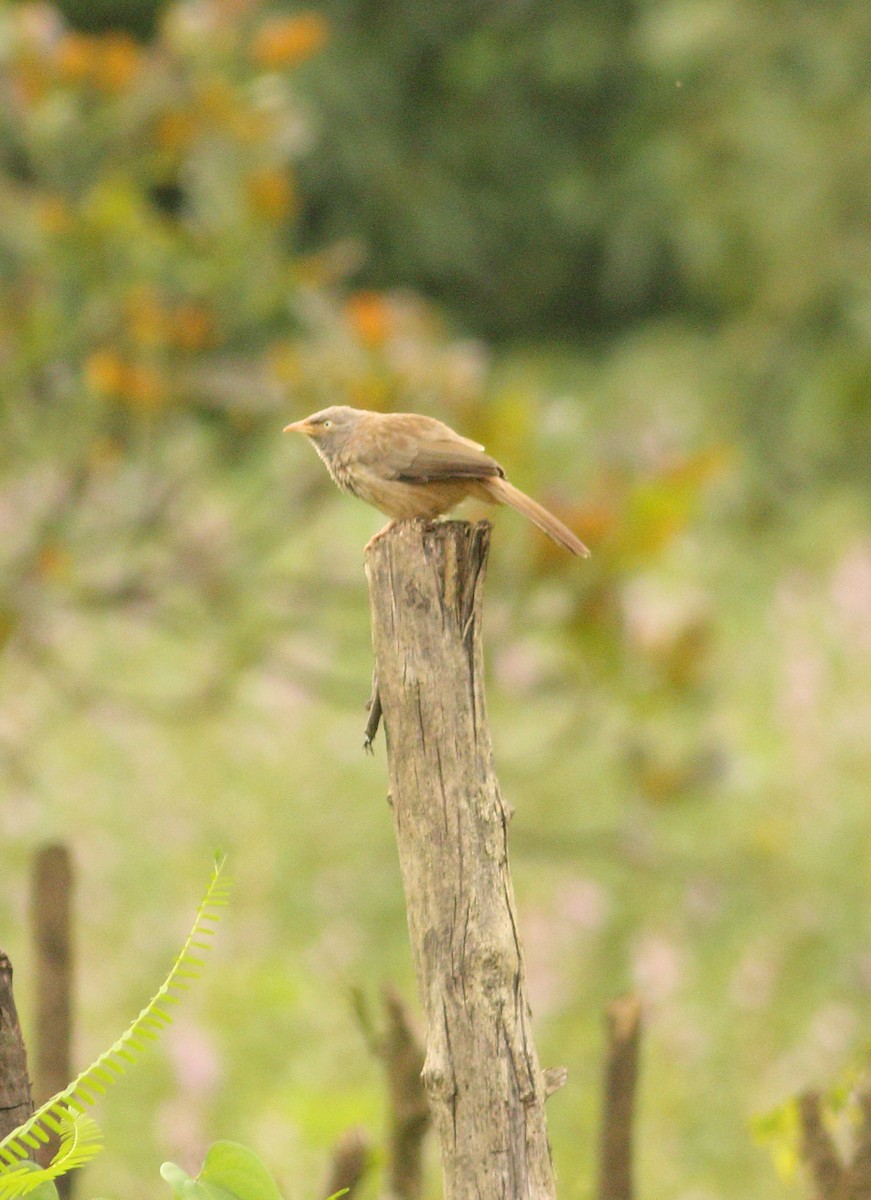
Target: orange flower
(271,193)
(75,57)
(369,316)
(118,62)
(285,41)
(139,385)
(109,63)
(175,129)
(104,372)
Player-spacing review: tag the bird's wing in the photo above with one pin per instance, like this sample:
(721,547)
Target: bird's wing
(414,449)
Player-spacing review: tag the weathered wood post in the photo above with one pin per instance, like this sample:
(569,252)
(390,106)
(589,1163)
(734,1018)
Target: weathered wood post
(51,913)
(481,1072)
(16,1101)
(51,921)
(618,1111)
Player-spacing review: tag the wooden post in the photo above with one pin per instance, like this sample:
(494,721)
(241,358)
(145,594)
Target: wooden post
(16,1102)
(618,1113)
(818,1149)
(408,1112)
(349,1162)
(836,1175)
(51,920)
(481,1072)
(51,915)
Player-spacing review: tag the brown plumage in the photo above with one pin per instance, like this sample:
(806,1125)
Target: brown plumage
(410,466)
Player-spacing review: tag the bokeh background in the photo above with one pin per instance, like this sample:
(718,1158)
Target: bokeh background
(627,246)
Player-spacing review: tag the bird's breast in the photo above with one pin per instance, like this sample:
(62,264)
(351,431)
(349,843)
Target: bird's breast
(346,477)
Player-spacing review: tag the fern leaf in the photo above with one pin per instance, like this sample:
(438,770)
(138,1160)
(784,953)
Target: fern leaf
(64,1115)
(81,1140)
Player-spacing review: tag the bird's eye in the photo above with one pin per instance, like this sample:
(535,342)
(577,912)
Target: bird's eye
(327,424)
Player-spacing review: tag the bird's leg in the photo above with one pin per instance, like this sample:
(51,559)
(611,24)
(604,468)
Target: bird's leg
(374,707)
(381,532)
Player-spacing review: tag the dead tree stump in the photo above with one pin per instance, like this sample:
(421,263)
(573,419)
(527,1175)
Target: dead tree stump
(481,1072)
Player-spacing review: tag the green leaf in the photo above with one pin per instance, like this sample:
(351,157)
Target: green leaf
(15,1183)
(80,1141)
(175,1177)
(229,1172)
(238,1170)
(188,1188)
(64,1114)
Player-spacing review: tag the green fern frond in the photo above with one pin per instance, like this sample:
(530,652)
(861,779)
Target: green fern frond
(63,1114)
(81,1141)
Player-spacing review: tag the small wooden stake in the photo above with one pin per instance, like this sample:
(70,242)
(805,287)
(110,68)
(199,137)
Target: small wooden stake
(51,910)
(51,914)
(16,1101)
(618,1116)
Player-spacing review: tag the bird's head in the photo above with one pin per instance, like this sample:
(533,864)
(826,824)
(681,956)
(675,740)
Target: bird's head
(328,429)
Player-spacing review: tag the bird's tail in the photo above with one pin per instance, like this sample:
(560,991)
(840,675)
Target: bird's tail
(503,492)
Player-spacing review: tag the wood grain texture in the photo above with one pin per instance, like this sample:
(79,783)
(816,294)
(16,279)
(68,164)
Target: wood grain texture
(481,1072)
(51,918)
(51,922)
(620,1084)
(408,1116)
(16,1102)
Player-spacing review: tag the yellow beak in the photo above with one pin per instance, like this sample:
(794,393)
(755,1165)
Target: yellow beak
(297,427)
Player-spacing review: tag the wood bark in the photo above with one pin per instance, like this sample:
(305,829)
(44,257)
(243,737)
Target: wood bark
(618,1115)
(16,1101)
(481,1071)
(836,1176)
(349,1163)
(408,1118)
(859,1179)
(51,922)
(51,913)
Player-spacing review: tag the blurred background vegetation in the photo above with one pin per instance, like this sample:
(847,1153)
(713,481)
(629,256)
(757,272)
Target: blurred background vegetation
(627,247)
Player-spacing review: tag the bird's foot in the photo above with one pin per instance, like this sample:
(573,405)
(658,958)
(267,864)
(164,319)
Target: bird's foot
(380,534)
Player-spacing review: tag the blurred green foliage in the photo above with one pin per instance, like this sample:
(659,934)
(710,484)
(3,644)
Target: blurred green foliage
(681,724)
(577,171)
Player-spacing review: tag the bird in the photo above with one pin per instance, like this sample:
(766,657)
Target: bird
(411,466)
